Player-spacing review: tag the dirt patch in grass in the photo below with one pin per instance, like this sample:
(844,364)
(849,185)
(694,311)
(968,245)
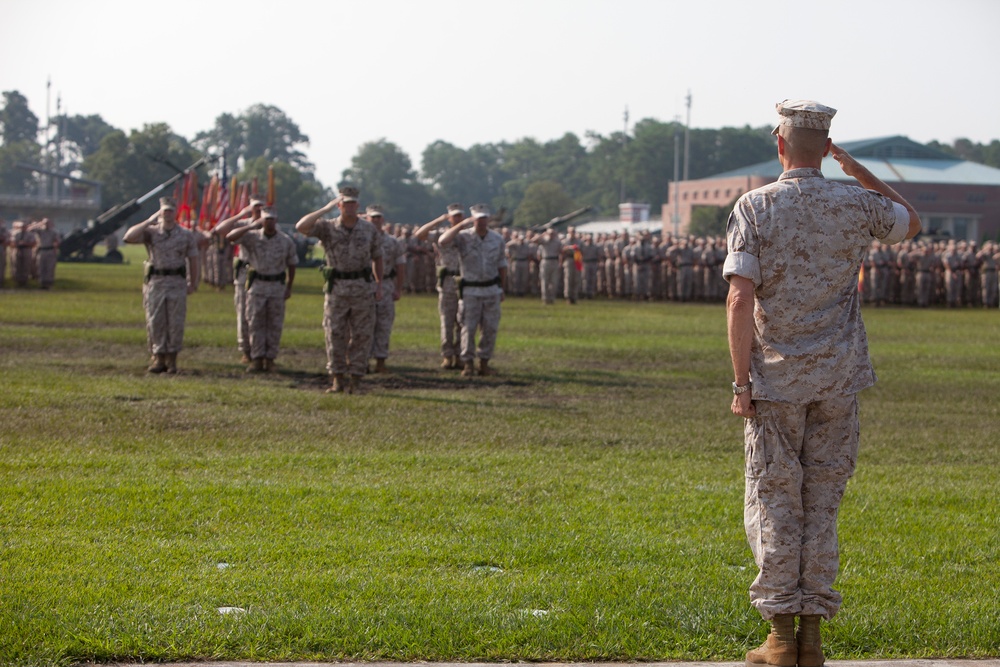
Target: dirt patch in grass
(410,379)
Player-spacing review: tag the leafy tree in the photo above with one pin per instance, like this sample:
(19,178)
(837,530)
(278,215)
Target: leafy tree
(708,221)
(130,166)
(651,162)
(543,200)
(14,180)
(991,154)
(565,162)
(456,175)
(297,192)
(260,131)
(607,159)
(964,149)
(80,136)
(385,176)
(19,128)
(17,122)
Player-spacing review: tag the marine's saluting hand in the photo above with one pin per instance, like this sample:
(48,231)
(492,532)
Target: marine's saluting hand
(844,159)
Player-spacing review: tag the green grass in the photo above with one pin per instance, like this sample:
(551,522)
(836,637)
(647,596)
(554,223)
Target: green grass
(586,504)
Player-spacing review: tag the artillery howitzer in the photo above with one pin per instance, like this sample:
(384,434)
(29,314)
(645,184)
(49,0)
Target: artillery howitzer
(562,219)
(79,245)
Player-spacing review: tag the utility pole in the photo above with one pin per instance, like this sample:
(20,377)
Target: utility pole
(677,194)
(621,194)
(48,161)
(687,137)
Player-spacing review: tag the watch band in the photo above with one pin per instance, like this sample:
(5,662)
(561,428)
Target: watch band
(738,389)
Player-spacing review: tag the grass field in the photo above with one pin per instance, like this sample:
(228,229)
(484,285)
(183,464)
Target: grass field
(586,504)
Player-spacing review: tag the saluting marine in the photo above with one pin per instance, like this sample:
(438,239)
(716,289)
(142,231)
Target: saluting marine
(353,261)
(171,274)
(270,273)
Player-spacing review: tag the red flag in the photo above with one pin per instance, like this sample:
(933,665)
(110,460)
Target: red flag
(234,192)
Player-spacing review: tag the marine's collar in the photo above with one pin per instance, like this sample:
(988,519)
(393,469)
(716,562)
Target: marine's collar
(801,172)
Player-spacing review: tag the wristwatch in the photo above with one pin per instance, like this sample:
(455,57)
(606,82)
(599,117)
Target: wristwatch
(738,389)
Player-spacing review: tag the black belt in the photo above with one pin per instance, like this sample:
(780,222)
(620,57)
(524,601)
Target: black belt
(48,247)
(590,261)
(463,283)
(351,275)
(442,274)
(330,275)
(555,257)
(681,266)
(253,276)
(151,271)
(180,271)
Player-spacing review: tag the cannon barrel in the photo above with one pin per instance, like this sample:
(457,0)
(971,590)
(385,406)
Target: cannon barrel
(81,242)
(562,219)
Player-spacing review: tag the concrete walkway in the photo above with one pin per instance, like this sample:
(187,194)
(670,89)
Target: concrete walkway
(830,663)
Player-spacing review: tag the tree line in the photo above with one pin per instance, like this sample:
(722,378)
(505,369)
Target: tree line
(529,180)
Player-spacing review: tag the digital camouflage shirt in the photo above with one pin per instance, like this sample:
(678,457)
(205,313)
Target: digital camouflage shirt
(801,240)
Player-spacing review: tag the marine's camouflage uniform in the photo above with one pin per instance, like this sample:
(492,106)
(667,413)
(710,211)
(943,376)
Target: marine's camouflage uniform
(519,258)
(482,259)
(572,276)
(591,254)
(393,263)
(349,309)
(22,245)
(265,310)
(165,297)
(548,266)
(240,294)
(46,253)
(801,241)
(4,237)
(447,259)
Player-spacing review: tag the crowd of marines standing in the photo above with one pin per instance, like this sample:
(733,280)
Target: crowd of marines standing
(370,263)
(30,249)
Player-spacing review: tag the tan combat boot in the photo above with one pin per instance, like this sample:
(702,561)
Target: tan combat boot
(268,365)
(171,360)
(469,370)
(484,368)
(380,366)
(810,645)
(245,359)
(339,384)
(779,648)
(449,362)
(355,386)
(158,364)
(256,367)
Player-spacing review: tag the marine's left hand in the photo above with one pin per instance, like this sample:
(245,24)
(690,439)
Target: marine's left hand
(743,405)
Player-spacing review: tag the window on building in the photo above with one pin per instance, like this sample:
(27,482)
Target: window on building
(958,227)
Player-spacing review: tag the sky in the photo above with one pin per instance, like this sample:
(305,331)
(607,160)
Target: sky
(474,71)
